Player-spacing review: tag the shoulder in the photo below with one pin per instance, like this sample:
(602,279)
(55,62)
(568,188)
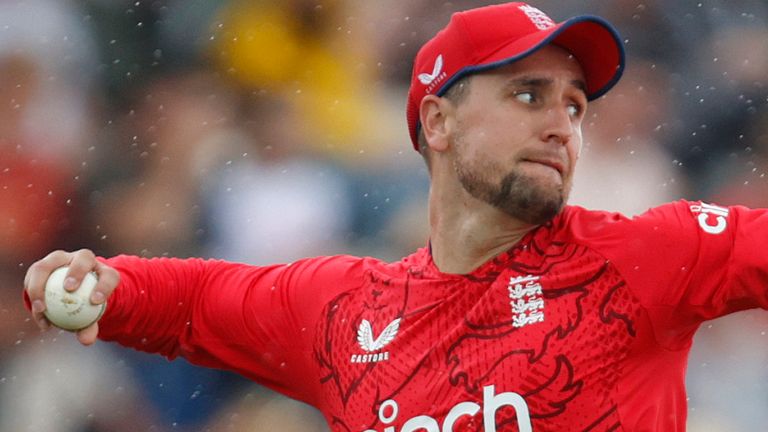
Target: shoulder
(668,218)
(349,268)
(662,235)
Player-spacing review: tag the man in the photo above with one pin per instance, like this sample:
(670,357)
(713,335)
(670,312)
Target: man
(522,314)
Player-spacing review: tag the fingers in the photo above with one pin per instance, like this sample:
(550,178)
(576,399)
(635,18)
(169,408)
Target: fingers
(108,280)
(88,335)
(83,261)
(80,263)
(34,283)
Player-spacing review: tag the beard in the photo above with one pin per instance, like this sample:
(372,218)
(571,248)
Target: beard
(517,194)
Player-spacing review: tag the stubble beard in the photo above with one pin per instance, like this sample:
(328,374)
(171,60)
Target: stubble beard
(516,194)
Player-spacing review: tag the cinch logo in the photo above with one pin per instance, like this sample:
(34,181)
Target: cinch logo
(712,218)
(526,299)
(369,344)
(537,17)
(389,410)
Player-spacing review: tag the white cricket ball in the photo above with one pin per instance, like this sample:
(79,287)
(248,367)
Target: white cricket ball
(71,310)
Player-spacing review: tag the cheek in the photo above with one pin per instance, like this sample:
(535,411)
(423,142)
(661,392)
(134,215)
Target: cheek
(575,146)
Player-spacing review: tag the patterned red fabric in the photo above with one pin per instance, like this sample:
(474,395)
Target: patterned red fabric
(585,325)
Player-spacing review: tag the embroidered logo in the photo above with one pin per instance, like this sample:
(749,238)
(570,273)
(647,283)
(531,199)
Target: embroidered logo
(526,300)
(427,78)
(370,345)
(537,17)
(438,75)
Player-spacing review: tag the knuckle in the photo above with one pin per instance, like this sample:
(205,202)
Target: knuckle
(86,253)
(56,255)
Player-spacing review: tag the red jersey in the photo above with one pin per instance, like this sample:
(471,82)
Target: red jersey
(584,325)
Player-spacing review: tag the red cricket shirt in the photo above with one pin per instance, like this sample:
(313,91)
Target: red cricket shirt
(585,325)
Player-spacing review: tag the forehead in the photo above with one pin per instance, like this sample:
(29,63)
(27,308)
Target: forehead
(549,62)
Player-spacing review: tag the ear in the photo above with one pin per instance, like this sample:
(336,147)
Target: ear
(435,113)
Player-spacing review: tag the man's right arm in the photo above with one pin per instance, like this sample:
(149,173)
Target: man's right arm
(259,321)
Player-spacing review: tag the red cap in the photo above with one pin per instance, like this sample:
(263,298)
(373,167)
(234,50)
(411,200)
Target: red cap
(488,37)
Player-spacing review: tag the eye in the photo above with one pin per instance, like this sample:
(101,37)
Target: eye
(526,97)
(575,109)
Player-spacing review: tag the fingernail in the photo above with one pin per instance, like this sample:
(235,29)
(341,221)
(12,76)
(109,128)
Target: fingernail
(38,306)
(97,297)
(70,283)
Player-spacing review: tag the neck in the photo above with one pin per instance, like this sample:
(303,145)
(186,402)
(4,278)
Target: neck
(465,232)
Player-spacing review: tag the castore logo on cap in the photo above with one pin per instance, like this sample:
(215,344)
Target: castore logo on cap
(426,78)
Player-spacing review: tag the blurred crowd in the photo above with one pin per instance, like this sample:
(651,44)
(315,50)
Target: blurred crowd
(264,131)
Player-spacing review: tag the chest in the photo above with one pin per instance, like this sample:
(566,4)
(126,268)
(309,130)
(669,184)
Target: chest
(550,331)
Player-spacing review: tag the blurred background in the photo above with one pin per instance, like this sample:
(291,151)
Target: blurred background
(264,131)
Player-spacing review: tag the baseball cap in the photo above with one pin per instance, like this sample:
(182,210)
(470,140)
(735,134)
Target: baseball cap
(488,37)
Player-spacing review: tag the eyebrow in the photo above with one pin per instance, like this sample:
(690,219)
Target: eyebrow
(542,82)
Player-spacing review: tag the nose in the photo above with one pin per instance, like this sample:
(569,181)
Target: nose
(558,126)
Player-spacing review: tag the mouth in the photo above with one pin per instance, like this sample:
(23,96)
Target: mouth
(551,163)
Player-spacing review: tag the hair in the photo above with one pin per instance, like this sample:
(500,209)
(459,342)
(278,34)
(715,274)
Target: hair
(456,93)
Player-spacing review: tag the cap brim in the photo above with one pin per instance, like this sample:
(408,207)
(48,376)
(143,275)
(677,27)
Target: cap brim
(593,42)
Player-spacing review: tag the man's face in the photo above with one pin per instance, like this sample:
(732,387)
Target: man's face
(517,134)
